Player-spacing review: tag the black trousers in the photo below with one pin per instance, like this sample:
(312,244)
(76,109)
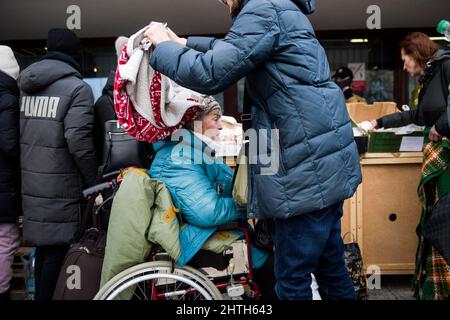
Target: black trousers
(49,260)
(265,278)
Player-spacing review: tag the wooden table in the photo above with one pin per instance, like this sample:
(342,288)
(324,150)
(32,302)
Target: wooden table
(384,212)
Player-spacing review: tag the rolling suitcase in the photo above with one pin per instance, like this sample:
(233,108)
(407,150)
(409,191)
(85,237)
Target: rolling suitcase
(80,274)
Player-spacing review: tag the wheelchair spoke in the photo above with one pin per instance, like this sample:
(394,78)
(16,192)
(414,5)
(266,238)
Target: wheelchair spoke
(182,297)
(197,296)
(145,290)
(140,289)
(178,287)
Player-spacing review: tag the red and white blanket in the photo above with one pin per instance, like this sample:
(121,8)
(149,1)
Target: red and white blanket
(149,105)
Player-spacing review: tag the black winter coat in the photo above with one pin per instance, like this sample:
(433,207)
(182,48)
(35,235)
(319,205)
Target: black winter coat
(10,207)
(57,150)
(433,99)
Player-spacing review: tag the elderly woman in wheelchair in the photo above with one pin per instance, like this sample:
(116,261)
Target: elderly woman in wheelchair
(200,187)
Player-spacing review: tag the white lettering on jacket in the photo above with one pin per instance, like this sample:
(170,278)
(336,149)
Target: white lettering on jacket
(40,106)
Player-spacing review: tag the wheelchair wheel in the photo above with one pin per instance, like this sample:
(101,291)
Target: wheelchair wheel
(156,281)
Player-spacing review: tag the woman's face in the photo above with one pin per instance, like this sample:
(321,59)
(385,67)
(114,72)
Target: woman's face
(211,125)
(411,66)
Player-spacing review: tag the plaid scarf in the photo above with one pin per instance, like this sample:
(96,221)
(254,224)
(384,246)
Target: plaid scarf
(432,274)
(436,285)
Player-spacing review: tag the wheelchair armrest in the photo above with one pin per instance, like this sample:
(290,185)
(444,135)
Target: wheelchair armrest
(234,225)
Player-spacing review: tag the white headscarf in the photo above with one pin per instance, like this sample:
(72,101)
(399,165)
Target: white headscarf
(8,62)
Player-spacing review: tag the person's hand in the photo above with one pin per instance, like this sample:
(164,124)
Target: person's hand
(99,200)
(157,33)
(374,124)
(434,135)
(175,38)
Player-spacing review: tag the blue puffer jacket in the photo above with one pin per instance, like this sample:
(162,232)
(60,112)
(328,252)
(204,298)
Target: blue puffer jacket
(201,188)
(273,44)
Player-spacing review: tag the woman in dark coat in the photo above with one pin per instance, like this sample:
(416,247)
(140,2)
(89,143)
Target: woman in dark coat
(422,57)
(9,166)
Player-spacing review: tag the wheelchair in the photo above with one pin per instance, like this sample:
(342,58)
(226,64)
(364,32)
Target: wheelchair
(208,276)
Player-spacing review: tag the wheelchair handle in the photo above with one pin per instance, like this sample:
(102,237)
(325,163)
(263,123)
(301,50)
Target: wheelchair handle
(96,189)
(111,175)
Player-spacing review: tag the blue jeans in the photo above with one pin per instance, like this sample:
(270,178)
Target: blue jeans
(311,243)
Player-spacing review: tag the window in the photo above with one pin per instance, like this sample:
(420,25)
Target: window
(372,62)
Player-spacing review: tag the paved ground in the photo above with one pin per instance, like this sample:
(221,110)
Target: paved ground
(393,288)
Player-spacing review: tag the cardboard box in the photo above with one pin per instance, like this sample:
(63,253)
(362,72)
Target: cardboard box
(360,112)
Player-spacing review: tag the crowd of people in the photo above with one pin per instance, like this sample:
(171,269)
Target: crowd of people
(51,134)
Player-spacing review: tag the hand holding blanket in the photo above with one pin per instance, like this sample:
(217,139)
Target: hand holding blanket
(149,105)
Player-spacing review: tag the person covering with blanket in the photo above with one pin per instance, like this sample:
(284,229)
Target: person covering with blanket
(272,44)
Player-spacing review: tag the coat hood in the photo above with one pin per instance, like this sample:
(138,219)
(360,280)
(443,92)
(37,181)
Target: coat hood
(41,74)
(163,143)
(306,6)
(440,53)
